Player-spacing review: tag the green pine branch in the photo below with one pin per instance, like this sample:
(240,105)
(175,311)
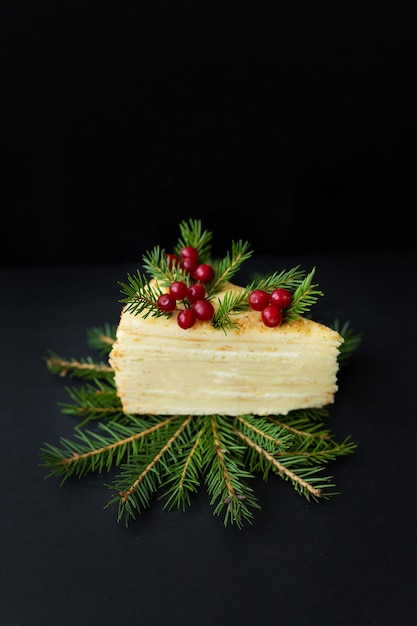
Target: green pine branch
(285,279)
(141,296)
(226,475)
(98,401)
(102,338)
(352,341)
(155,263)
(227,267)
(95,451)
(272,447)
(156,266)
(143,474)
(193,234)
(304,297)
(78,368)
(184,477)
(232,303)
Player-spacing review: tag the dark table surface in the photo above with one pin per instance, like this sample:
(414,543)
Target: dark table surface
(350,560)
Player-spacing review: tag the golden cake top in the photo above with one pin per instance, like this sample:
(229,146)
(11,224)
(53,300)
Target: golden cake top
(248,322)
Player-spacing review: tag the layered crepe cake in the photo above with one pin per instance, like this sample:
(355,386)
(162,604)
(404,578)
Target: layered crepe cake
(246,368)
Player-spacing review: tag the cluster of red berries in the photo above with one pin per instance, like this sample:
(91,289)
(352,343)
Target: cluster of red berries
(193,296)
(271,304)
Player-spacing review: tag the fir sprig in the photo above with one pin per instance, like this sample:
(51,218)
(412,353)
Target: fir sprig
(228,266)
(352,341)
(193,234)
(226,474)
(273,447)
(95,451)
(102,338)
(98,401)
(233,302)
(143,474)
(298,282)
(141,296)
(77,368)
(304,297)
(156,266)
(184,477)
(285,279)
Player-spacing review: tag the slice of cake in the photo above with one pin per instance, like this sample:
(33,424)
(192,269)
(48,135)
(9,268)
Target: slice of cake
(219,348)
(162,369)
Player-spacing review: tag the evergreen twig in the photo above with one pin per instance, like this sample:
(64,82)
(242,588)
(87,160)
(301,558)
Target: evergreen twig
(227,267)
(102,338)
(304,297)
(97,401)
(193,234)
(77,368)
(352,341)
(141,296)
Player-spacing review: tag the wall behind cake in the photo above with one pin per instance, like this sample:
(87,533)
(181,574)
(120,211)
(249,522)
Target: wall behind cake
(293,128)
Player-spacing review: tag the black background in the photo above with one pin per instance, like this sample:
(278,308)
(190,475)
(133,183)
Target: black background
(292,127)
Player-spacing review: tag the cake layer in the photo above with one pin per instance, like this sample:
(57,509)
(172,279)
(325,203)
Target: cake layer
(162,369)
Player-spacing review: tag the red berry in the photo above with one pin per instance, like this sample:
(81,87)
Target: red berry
(282,298)
(172,260)
(196,292)
(178,290)
(189,264)
(188,252)
(186,318)
(204,310)
(258,299)
(166,302)
(271,316)
(204,273)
